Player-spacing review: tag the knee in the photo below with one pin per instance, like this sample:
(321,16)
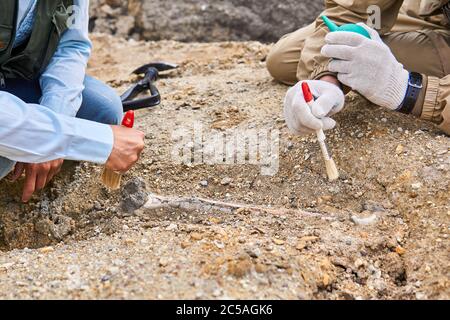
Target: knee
(101,103)
(113,108)
(280,65)
(273,62)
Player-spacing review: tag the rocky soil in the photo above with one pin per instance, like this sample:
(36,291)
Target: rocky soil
(202,20)
(380,232)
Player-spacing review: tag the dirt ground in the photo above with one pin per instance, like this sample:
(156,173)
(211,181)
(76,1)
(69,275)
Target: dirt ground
(380,232)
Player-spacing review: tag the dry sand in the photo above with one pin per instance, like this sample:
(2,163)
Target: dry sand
(311,239)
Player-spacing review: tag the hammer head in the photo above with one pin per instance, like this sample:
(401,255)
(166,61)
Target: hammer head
(160,66)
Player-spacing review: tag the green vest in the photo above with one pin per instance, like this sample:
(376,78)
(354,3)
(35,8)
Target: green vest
(30,59)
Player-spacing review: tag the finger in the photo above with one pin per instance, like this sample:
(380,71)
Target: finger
(18,171)
(346,79)
(346,38)
(30,184)
(41,180)
(56,168)
(328,124)
(340,66)
(335,51)
(374,35)
(324,104)
(304,116)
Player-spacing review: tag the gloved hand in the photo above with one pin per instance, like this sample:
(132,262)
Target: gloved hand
(367,66)
(301,118)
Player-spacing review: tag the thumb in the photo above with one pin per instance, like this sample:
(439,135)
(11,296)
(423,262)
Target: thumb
(374,35)
(323,106)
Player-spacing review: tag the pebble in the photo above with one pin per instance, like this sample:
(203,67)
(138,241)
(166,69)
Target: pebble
(163,262)
(204,183)
(278,242)
(365,221)
(172,227)
(416,186)
(217,293)
(46,250)
(400,250)
(226,181)
(253,252)
(196,236)
(219,244)
(400,149)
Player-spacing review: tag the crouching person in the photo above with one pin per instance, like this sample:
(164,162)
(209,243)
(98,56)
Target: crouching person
(49,109)
(404,67)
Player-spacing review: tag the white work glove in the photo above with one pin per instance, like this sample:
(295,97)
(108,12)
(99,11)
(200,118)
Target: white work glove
(367,66)
(301,118)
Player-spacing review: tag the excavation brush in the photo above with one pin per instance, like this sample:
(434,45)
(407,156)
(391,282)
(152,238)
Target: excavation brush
(110,178)
(332,171)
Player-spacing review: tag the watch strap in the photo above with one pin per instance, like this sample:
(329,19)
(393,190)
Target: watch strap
(415,86)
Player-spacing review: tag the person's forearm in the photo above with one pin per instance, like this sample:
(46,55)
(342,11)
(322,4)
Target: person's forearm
(34,134)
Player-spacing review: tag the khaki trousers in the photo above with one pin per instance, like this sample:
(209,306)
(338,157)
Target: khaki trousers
(414,42)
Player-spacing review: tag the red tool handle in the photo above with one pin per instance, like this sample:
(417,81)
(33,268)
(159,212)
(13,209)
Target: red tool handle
(307,92)
(128,120)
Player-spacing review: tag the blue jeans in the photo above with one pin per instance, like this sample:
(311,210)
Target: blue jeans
(100,104)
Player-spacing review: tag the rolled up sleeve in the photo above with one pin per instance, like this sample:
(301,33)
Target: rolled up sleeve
(436,103)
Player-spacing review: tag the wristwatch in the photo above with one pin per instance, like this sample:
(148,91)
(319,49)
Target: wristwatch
(415,86)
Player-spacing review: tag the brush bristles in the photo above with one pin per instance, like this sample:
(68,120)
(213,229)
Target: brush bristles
(111,179)
(332,171)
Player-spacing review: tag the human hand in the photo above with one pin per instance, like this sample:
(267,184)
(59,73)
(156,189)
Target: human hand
(303,119)
(37,176)
(128,146)
(367,66)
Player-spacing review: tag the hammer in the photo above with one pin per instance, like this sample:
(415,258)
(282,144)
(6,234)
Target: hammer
(151,74)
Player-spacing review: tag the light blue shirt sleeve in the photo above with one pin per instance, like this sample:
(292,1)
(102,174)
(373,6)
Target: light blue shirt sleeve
(32,133)
(62,81)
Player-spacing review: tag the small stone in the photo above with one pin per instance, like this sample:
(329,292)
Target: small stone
(172,227)
(163,262)
(400,149)
(260,268)
(219,244)
(204,183)
(185,245)
(240,268)
(196,236)
(6,266)
(253,252)
(217,293)
(226,181)
(278,242)
(326,280)
(46,250)
(416,186)
(400,250)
